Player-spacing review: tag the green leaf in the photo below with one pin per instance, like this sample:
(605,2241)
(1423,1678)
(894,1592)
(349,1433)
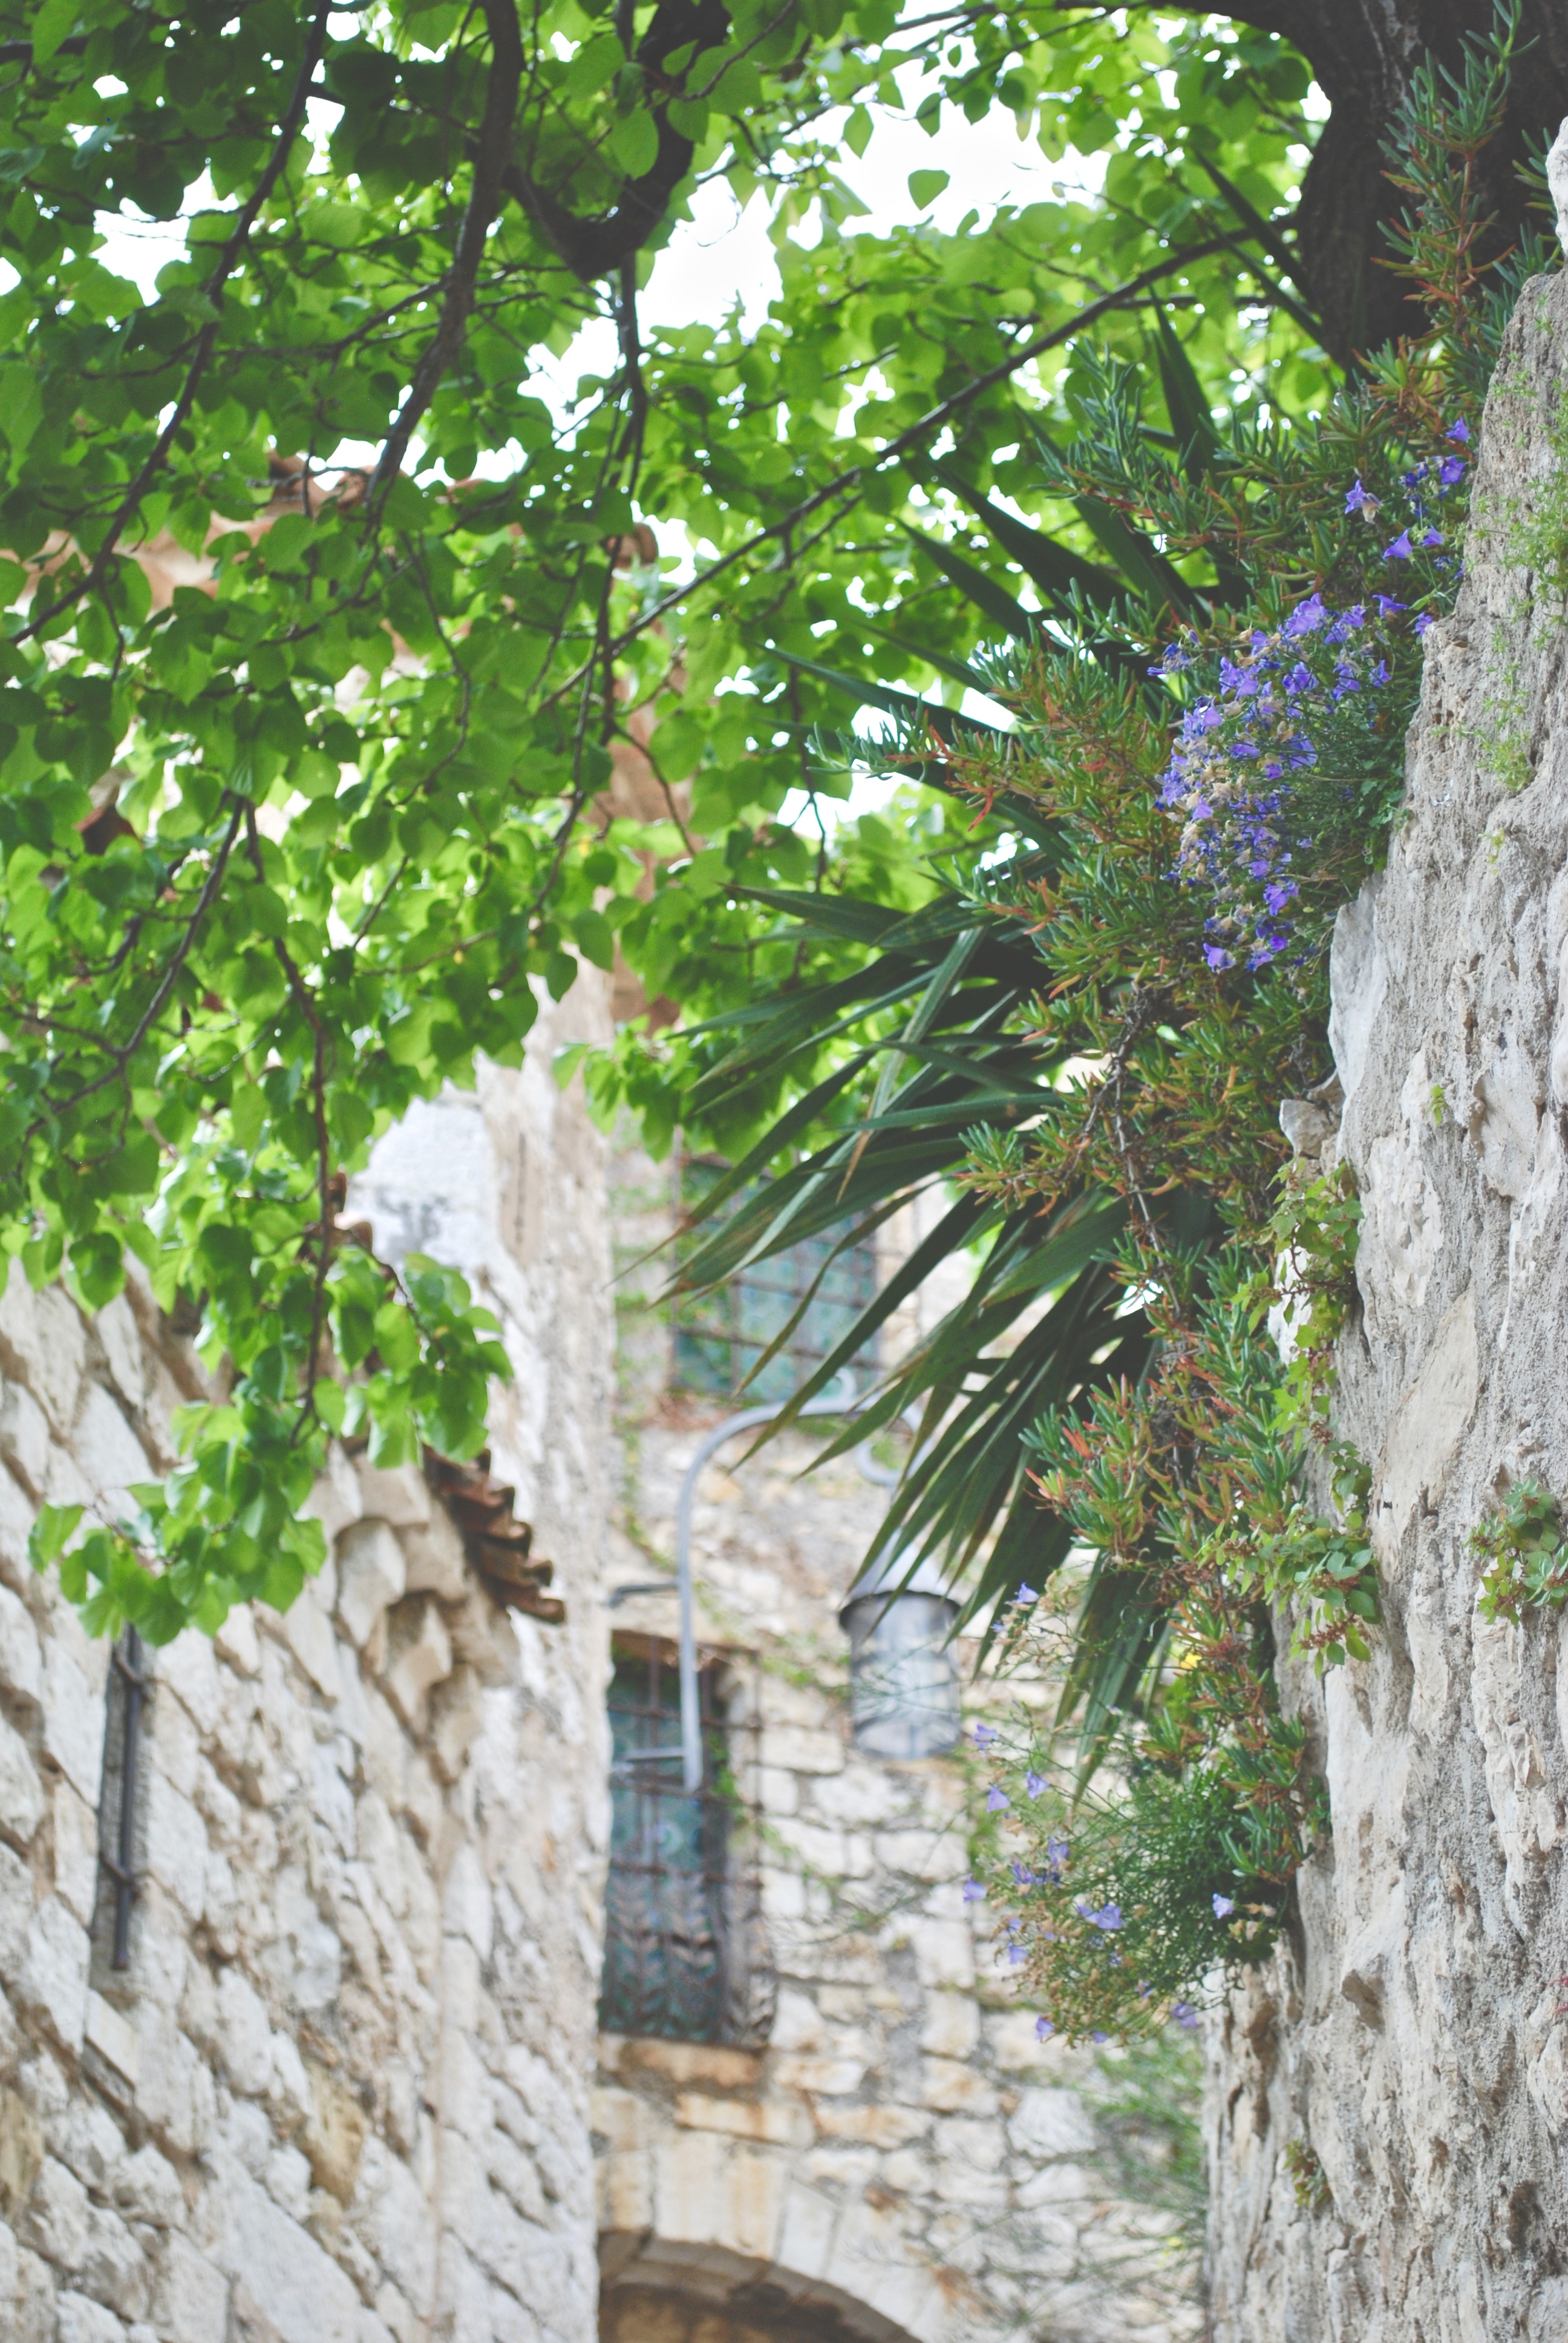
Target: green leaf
(925,186)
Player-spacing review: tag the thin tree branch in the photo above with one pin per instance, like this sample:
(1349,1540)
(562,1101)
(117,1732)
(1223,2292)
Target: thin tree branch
(227,261)
(494,149)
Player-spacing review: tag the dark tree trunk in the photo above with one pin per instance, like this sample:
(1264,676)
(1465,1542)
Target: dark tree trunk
(1364,54)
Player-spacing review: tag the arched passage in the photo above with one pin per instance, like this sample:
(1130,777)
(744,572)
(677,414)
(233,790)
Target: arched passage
(653,2290)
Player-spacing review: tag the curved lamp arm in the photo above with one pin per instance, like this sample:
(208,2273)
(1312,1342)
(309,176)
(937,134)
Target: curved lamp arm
(690,1706)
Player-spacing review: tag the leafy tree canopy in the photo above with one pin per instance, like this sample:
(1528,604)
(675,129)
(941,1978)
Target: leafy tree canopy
(325,628)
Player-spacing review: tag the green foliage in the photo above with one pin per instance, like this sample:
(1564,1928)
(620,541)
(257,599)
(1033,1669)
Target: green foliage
(324,633)
(1143,1074)
(1521,1553)
(1309,2182)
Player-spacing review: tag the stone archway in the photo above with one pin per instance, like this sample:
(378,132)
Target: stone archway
(653,2290)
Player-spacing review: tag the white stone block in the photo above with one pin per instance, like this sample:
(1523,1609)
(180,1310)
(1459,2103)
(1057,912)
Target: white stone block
(419,1653)
(245,2034)
(147,2189)
(108,1451)
(114,2267)
(397,1493)
(55,2220)
(371,1576)
(1051,2122)
(281,2270)
(176,1842)
(20,1661)
(43,1343)
(54,1970)
(467,1906)
(191,2305)
(75,1853)
(433,1557)
(238,1642)
(308,1631)
(117,1329)
(25,1438)
(79,2320)
(15,1913)
(21,1792)
(73,1719)
(113,2036)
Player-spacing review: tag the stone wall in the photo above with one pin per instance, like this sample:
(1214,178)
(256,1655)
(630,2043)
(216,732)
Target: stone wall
(1413,2037)
(338,2094)
(903,2158)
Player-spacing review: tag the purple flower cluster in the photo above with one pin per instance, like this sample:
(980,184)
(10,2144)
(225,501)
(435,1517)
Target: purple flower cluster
(1235,774)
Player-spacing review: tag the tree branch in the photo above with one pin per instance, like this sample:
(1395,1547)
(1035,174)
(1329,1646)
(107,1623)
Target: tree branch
(484,201)
(227,261)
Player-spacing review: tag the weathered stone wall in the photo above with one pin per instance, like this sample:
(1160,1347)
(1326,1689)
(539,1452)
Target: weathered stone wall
(1413,2039)
(904,2158)
(340,2095)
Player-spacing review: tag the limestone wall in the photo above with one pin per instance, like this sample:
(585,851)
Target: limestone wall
(1413,2039)
(902,2159)
(339,2093)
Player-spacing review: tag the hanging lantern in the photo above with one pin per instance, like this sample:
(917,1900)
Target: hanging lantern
(903,1673)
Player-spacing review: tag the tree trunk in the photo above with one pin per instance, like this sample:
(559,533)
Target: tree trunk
(1364,54)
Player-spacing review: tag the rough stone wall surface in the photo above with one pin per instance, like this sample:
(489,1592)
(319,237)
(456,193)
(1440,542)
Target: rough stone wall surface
(1413,2039)
(903,2158)
(339,2094)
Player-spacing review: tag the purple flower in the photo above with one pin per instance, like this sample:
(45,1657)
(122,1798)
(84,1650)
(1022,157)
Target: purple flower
(1306,618)
(1185,2015)
(984,1735)
(1025,1597)
(1056,1852)
(1281,891)
(1015,1954)
(1223,1905)
(1023,1874)
(1347,622)
(1357,498)
(1109,1916)
(1043,2029)
(1400,549)
(1098,2037)
(1432,536)
(996,1801)
(1387,606)
(1460,431)
(1218,960)
(1034,1783)
(1451,470)
(1424,621)
(1300,678)
(973,1893)
(1379,672)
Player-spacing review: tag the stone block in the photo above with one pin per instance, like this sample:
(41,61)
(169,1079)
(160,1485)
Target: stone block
(43,1344)
(20,2154)
(418,1655)
(371,1576)
(687,2063)
(121,1340)
(334,1499)
(108,1451)
(875,2126)
(456,1719)
(308,1631)
(949,2025)
(113,2036)
(245,2034)
(191,2303)
(54,1970)
(238,1642)
(944,1951)
(797,2023)
(434,1559)
(114,2267)
(79,2320)
(774,2122)
(1051,2122)
(397,1493)
(176,1842)
(54,2223)
(805,2237)
(25,1438)
(827,2077)
(73,1718)
(280,2273)
(931,1854)
(20,1661)
(952,2088)
(335,2135)
(147,2189)
(797,1750)
(21,1791)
